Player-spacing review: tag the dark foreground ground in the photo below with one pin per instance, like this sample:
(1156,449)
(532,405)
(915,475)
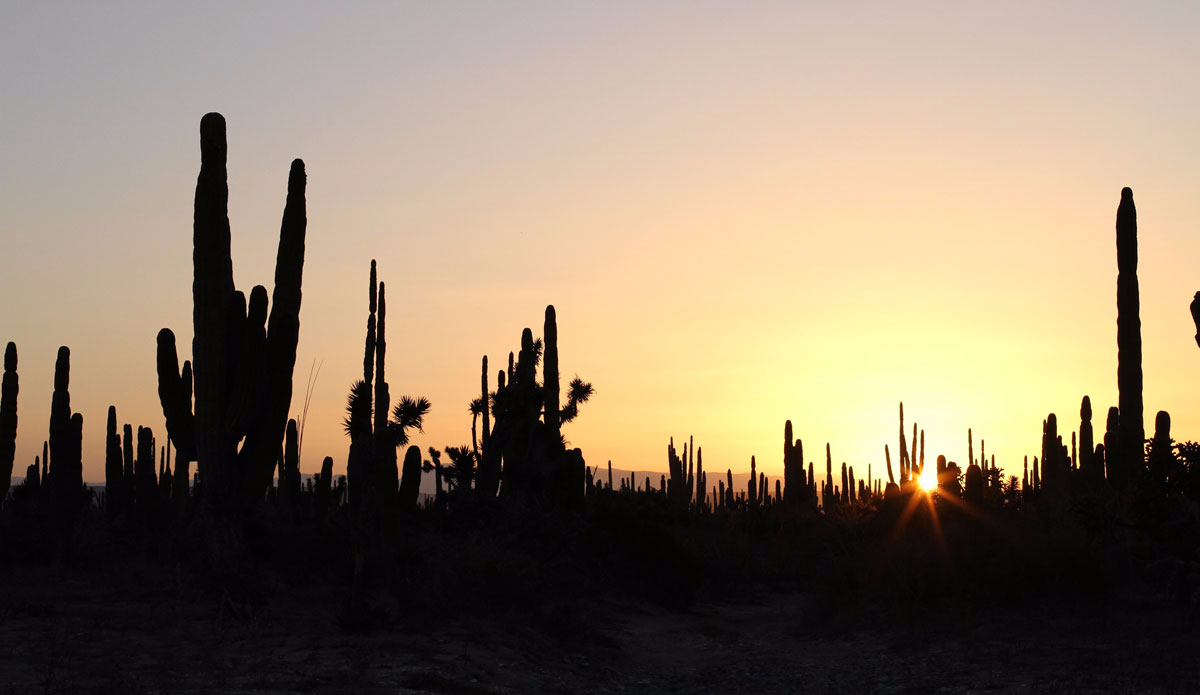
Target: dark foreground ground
(64,634)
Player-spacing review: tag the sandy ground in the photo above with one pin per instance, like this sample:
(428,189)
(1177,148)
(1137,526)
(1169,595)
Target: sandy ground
(76,635)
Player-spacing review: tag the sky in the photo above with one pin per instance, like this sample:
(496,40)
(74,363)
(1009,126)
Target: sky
(743,212)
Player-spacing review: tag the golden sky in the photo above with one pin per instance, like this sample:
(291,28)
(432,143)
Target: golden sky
(743,213)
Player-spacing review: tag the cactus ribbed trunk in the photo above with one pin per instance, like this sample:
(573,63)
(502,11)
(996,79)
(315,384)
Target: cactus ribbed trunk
(1129,341)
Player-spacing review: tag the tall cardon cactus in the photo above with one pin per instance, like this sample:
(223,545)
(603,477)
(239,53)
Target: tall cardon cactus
(242,370)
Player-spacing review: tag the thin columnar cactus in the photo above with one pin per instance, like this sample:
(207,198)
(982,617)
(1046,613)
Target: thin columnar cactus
(550,392)
(114,475)
(8,419)
(1129,338)
(488,481)
(827,496)
(289,475)
(1086,443)
(752,485)
(1115,466)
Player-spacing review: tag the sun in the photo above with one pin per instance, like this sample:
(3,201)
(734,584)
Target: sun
(928,480)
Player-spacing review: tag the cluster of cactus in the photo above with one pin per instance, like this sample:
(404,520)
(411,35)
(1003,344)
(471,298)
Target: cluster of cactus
(377,489)
(687,479)
(134,488)
(799,490)
(241,368)
(524,456)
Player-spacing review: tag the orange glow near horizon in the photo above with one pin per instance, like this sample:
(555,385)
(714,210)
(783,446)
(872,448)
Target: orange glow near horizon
(742,214)
(928,480)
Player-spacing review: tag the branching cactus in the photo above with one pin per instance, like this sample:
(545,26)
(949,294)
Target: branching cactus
(677,480)
(376,492)
(65,452)
(795,488)
(528,419)
(242,370)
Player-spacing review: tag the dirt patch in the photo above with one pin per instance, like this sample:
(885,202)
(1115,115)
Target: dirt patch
(62,634)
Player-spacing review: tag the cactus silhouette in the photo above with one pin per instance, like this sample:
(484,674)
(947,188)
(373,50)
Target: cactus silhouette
(973,486)
(536,466)
(242,371)
(114,473)
(8,419)
(794,485)
(1129,339)
(1086,441)
(66,453)
(1114,464)
(1195,308)
(376,489)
